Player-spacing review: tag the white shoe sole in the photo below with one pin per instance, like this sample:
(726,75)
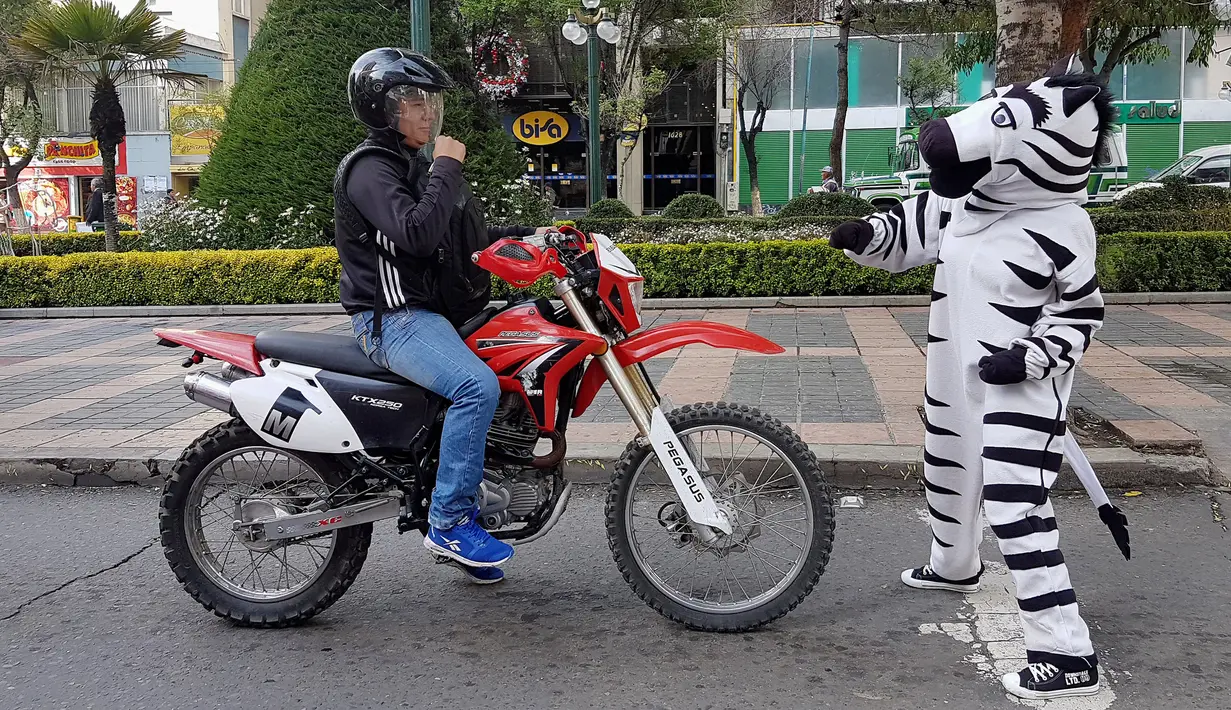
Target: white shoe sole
(446,552)
(1010,682)
(462,568)
(945,586)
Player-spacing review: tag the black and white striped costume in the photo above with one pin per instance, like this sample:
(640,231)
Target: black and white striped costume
(1015,256)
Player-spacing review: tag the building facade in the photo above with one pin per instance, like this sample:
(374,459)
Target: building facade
(1168,108)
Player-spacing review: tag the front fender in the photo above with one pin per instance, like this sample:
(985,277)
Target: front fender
(655,341)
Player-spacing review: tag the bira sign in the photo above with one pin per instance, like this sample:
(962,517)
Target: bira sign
(540,128)
(1152,112)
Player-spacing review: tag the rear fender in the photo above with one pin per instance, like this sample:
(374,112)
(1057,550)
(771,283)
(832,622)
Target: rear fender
(655,341)
(235,348)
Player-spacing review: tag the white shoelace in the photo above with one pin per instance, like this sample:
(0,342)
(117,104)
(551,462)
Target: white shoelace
(1042,671)
(927,571)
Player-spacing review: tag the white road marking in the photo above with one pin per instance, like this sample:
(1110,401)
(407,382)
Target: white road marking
(991,628)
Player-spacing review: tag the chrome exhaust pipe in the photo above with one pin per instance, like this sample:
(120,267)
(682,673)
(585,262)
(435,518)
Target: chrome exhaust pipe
(210,390)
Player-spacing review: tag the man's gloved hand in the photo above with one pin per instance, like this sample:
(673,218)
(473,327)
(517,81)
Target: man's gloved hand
(855,236)
(1007,367)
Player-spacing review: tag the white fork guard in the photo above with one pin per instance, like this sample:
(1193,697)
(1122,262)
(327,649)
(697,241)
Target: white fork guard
(689,485)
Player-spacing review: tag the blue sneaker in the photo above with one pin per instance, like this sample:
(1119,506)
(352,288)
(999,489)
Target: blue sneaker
(476,575)
(469,544)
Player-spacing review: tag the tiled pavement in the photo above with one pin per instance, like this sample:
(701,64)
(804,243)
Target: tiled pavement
(849,376)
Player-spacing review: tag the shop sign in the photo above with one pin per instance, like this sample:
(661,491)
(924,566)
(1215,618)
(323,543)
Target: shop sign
(1152,112)
(540,128)
(56,151)
(195,128)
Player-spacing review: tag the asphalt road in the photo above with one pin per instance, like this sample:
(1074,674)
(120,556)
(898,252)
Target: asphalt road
(93,618)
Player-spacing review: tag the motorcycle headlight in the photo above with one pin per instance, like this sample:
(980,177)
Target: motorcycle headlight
(637,289)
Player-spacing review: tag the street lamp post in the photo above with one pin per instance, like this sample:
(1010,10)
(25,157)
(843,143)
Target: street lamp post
(574,30)
(420,27)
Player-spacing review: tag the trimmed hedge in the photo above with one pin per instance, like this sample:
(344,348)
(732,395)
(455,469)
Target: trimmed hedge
(61,243)
(609,208)
(1113,220)
(694,206)
(826,204)
(1126,262)
(1176,193)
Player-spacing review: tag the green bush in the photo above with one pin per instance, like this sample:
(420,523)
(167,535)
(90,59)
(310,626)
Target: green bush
(1176,193)
(694,206)
(1126,262)
(1110,220)
(826,204)
(61,243)
(609,208)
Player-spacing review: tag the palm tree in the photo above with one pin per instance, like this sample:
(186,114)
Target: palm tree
(88,39)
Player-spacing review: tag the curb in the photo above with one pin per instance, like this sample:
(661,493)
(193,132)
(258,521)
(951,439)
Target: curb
(329,309)
(846,466)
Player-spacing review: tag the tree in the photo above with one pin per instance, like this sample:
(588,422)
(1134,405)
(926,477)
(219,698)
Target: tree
(1106,34)
(95,43)
(929,88)
(847,12)
(1028,34)
(759,62)
(21,117)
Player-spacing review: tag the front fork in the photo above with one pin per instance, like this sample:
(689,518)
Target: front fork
(677,457)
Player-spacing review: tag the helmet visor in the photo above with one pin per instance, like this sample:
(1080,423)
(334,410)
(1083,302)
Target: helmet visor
(415,113)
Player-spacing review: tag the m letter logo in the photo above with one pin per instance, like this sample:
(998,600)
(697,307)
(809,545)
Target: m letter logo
(281,421)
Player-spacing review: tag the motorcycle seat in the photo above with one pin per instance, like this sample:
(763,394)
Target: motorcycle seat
(336,353)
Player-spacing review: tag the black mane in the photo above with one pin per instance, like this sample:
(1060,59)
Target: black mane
(1108,116)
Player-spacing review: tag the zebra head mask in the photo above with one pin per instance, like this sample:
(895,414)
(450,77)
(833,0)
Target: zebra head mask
(1028,145)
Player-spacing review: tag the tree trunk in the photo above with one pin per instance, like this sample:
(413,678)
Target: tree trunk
(844,96)
(107,126)
(1074,18)
(1029,39)
(754,185)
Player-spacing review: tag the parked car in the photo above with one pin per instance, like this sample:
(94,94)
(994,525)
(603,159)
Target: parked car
(1208,166)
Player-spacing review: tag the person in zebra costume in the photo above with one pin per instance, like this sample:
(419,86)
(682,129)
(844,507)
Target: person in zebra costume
(1015,304)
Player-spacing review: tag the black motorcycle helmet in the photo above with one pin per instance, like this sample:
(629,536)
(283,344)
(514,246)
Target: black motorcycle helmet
(383,79)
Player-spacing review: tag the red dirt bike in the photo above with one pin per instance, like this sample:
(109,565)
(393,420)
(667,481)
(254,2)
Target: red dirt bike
(718,516)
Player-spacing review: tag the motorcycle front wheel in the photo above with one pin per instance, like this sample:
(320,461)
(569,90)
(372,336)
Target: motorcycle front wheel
(773,490)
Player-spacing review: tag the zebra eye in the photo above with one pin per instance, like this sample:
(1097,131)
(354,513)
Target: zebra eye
(1003,118)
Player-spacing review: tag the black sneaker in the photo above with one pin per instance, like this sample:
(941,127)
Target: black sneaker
(1043,681)
(924,578)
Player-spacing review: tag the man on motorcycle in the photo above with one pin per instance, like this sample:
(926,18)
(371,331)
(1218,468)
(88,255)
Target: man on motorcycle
(394,214)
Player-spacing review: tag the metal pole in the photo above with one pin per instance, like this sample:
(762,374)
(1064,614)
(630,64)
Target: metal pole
(803,144)
(420,26)
(598,181)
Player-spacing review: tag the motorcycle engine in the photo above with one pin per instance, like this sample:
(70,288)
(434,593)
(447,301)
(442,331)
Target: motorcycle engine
(510,496)
(513,431)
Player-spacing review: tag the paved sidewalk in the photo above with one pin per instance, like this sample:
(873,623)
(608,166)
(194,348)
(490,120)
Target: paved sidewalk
(1154,387)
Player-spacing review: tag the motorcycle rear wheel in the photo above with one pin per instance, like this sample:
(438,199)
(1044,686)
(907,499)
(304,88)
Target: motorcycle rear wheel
(797,536)
(200,563)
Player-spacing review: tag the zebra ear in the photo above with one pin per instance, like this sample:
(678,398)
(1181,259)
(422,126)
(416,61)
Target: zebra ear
(1077,96)
(1068,65)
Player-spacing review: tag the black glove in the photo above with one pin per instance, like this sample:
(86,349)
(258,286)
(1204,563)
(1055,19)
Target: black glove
(1117,521)
(855,236)
(1007,367)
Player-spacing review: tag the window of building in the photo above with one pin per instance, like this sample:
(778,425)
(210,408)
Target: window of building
(1204,82)
(872,72)
(241,7)
(820,88)
(1160,79)
(931,47)
(767,62)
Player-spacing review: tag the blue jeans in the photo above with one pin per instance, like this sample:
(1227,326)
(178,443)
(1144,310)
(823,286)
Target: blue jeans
(423,347)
